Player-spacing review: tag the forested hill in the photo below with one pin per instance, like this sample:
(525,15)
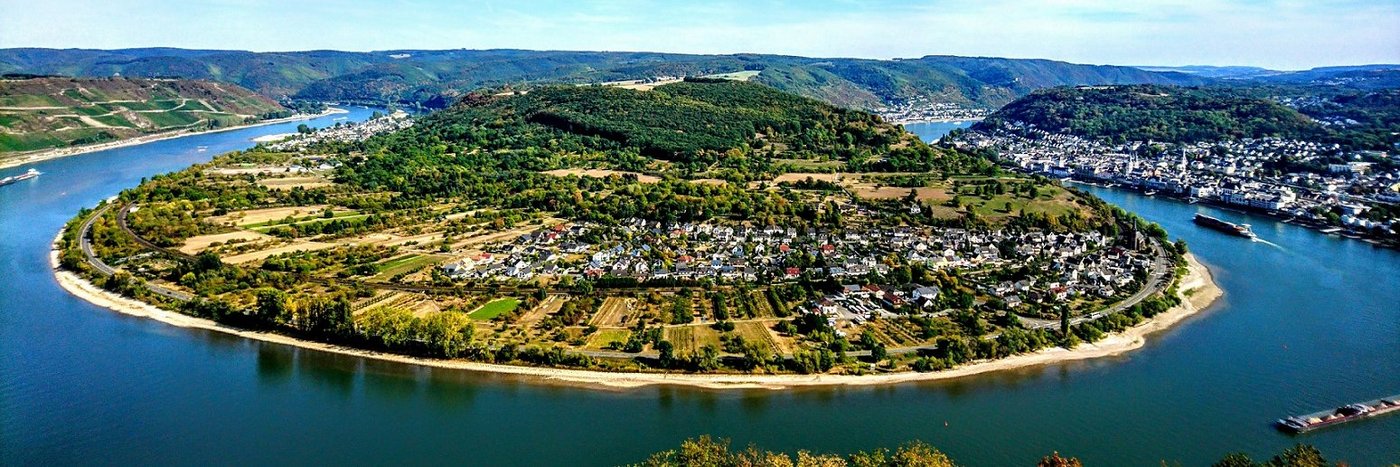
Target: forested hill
(41,113)
(738,128)
(1157,113)
(436,77)
(732,131)
(693,120)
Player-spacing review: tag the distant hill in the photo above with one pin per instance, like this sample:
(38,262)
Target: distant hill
(42,113)
(682,121)
(1218,72)
(1365,77)
(435,78)
(716,129)
(1157,113)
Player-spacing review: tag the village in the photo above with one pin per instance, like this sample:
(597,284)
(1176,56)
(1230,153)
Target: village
(1036,267)
(924,109)
(343,132)
(1243,173)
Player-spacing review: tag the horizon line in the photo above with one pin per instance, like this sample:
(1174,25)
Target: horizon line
(883,59)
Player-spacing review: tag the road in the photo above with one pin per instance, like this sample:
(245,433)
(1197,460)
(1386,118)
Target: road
(84,240)
(1156,281)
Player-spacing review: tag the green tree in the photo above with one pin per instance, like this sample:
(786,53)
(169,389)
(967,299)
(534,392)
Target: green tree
(707,359)
(272,307)
(667,352)
(682,312)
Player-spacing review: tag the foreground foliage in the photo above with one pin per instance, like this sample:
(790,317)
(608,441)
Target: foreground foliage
(706,452)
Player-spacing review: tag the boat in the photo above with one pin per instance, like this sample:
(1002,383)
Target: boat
(1150,192)
(1193,200)
(1350,412)
(1227,227)
(21,177)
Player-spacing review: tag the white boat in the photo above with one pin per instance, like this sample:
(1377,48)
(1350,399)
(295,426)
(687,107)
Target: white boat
(21,177)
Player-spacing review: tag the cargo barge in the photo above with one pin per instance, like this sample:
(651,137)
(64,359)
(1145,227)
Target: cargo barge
(1227,227)
(21,177)
(1351,412)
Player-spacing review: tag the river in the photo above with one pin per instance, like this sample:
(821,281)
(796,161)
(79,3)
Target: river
(1308,322)
(931,131)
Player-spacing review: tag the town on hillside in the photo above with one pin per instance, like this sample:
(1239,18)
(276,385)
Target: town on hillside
(1355,197)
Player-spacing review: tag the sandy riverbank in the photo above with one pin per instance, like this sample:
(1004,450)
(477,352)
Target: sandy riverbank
(1197,289)
(15,160)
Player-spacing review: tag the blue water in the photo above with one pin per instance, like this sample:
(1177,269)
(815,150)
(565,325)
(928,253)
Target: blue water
(1308,322)
(931,131)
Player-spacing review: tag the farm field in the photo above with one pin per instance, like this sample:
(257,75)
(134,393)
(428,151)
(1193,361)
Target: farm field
(495,308)
(405,264)
(606,337)
(692,338)
(614,312)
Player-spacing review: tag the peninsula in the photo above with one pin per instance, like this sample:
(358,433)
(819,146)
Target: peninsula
(705,232)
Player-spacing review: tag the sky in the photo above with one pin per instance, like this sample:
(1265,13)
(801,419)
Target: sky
(1278,34)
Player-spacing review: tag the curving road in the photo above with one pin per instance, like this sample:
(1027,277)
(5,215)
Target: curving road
(85,241)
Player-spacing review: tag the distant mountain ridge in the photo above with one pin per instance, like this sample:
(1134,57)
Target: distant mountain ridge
(1378,76)
(434,78)
(1153,113)
(1353,118)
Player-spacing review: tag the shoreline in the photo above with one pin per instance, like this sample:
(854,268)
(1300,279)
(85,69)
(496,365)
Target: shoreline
(1349,233)
(902,122)
(56,153)
(1198,281)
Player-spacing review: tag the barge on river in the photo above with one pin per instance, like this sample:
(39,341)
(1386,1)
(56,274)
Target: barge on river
(21,177)
(1227,227)
(1340,415)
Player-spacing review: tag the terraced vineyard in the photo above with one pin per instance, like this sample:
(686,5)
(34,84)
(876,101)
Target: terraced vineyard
(44,113)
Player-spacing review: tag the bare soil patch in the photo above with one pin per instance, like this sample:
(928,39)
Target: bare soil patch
(194,245)
(601,173)
(263,254)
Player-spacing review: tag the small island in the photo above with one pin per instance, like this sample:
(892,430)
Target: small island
(708,232)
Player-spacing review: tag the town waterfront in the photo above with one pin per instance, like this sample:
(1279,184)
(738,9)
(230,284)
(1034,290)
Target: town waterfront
(1308,322)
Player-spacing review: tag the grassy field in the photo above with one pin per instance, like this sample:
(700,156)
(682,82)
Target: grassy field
(494,308)
(605,337)
(407,263)
(692,338)
(1051,200)
(753,331)
(737,75)
(268,225)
